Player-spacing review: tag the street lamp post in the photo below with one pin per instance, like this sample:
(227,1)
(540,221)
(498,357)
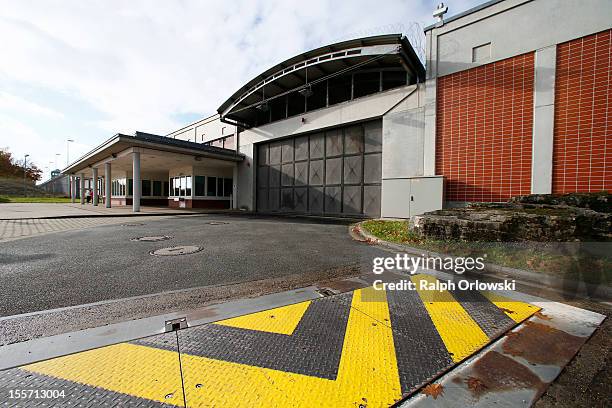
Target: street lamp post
(68,141)
(51,168)
(25,169)
(57,155)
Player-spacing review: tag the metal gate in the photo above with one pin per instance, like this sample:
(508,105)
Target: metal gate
(336,172)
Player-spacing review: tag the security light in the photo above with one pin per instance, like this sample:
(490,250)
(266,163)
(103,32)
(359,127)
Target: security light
(263,107)
(306,91)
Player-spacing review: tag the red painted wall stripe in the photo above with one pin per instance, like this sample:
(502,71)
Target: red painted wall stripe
(582,144)
(484,130)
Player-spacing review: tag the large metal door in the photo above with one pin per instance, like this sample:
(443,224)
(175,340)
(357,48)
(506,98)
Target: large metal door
(336,172)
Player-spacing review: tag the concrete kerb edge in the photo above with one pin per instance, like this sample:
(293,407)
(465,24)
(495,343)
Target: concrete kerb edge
(131,214)
(602,292)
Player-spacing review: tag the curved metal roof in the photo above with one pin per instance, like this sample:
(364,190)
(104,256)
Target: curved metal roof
(324,60)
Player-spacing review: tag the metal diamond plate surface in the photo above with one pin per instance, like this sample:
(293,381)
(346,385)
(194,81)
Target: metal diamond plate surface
(125,374)
(363,348)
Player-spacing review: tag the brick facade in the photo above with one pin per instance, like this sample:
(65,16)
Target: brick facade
(484,130)
(582,143)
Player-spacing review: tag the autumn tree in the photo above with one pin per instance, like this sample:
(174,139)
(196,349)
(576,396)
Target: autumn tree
(10,167)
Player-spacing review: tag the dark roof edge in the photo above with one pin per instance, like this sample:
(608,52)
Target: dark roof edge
(390,38)
(464,13)
(151,138)
(412,58)
(92,151)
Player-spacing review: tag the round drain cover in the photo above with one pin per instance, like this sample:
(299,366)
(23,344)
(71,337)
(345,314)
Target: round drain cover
(217,222)
(177,250)
(154,238)
(132,224)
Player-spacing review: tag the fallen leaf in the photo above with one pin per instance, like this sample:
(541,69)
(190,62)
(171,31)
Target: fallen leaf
(433,390)
(475,385)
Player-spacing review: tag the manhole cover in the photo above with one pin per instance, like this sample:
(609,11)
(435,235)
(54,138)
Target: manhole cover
(132,224)
(217,222)
(177,250)
(152,239)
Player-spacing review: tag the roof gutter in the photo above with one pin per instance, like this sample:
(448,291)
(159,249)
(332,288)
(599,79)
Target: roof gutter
(109,142)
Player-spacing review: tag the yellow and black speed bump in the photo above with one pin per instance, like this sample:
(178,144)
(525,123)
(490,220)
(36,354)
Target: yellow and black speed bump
(313,348)
(365,348)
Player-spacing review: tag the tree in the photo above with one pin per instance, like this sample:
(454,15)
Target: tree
(10,167)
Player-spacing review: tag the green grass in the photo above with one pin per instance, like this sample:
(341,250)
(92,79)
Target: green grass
(392,231)
(577,266)
(17,199)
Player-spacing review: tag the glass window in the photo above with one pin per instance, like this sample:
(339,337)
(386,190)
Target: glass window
(339,89)
(211,187)
(130,187)
(393,79)
(296,103)
(318,99)
(166,188)
(263,115)
(278,107)
(366,83)
(157,188)
(146,188)
(188,186)
(175,186)
(220,186)
(227,187)
(229,142)
(183,185)
(200,184)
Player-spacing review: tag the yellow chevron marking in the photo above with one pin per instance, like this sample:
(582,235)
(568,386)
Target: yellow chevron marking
(282,320)
(367,374)
(461,335)
(126,368)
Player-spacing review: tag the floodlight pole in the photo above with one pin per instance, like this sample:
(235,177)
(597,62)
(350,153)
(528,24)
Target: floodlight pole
(25,169)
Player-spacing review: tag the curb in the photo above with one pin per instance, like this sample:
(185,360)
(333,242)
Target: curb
(132,214)
(600,292)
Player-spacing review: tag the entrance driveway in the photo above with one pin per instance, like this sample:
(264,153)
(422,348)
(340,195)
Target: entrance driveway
(102,263)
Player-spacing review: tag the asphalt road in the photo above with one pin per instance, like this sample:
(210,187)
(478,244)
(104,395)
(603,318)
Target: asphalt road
(102,263)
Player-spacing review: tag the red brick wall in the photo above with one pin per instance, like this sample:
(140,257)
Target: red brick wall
(484,130)
(582,108)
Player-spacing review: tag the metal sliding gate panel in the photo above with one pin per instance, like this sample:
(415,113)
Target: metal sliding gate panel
(336,172)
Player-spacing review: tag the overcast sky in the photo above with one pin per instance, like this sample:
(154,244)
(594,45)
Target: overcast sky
(85,69)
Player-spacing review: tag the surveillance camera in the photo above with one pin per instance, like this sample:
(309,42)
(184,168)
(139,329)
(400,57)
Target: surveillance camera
(440,11)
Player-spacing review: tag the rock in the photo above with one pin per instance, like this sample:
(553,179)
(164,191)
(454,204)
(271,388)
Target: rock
(600,202)
(536,217)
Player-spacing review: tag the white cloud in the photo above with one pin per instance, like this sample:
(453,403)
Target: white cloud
(141,63)
(10,102)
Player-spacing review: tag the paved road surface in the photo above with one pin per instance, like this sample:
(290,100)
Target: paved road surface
(101,263)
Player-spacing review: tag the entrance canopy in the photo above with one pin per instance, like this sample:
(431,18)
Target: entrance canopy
(158,152)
